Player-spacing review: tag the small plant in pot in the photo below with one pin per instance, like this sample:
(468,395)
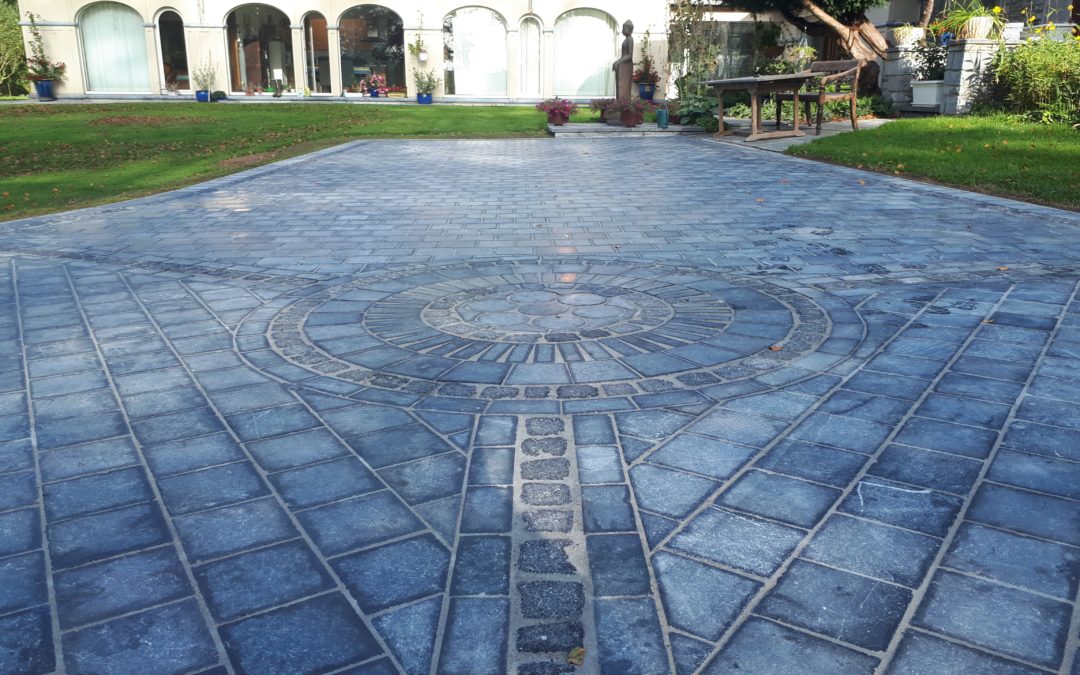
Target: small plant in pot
(375,85)
(600,105)
(426,84)
(646,76)
(628,113)
(928,82)
(41,71)
(204,77)
(973,20)
(558,110)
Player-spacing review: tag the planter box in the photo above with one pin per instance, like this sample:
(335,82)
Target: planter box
(928,92)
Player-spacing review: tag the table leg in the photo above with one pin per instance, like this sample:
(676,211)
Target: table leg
(755,115)
(720,114)
(794,111)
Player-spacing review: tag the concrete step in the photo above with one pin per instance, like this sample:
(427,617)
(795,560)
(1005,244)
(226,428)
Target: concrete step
(597,130)
(918,110)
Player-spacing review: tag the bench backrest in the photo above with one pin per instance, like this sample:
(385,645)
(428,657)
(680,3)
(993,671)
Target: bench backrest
(848,83)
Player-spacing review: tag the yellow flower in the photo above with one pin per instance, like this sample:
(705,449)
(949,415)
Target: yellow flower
(997,10)
(1031,19)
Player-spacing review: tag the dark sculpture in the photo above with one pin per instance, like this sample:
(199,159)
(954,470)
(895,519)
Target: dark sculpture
(624,66)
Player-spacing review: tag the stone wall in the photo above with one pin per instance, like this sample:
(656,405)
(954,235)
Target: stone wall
(896,74)
(965,69)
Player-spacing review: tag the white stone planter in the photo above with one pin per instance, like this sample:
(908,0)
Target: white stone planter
(928,92)
(907,36)
(1012,31)
(977,28)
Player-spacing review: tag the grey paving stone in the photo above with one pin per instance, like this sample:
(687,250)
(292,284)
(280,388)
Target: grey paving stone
(362,521)
(271,576)
(410,634)
(617,564)
(990,615)
(78,460)
(629,636)
(22,580)
(26,643)
(541,556)
(208,488)
(545,494)
(492,466)
(97,492)
(789,651)
(118,586)
(475,638)
(699,599)
(922,653)
(549,520)
(19,531)
(1037,565)
(395,573)
(1036,472)
(210,534)
(922,510)
(874,550)
(1039,515)
(703,455)
(936,470)
(862,612)
(318,634)
(786,499)
(428,478)
(606,508)
(482,565)
(172,638)
(546,469)
(101,535)
(552,599)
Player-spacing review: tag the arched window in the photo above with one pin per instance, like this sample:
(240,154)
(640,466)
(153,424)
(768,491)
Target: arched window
(114,49)
(531,58)
(316,54)
(586,44)
(260,48)
(174,65)
(474,51)
(372,43)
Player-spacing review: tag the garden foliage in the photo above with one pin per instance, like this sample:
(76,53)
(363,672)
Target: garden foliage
(12,53)
(1039,78)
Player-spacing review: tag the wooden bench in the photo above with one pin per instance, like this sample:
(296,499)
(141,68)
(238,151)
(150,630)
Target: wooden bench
(844,78)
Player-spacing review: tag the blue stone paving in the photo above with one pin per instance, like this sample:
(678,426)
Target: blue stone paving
(538,396)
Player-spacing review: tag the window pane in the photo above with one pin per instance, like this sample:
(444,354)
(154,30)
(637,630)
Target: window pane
(173,51)
(474,44)
(585,47)
(372,43)
(114,47)
(260,48)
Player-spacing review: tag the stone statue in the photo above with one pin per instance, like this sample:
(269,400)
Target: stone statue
(624,66)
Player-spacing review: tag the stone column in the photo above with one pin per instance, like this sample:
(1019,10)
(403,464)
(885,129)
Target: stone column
(299,59)
(513,62)
(157,84)
(896,74)
(333,39)
(547,75)
(965,66)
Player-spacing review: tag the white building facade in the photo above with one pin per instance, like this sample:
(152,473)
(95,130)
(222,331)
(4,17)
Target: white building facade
(501,50)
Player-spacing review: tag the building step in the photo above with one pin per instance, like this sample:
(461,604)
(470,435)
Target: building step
(597,130)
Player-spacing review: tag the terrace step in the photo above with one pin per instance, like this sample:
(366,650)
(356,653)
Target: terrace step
(596,130)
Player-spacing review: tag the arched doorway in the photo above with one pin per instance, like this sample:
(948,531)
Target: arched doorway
(586,44)
(316,54)
(372,43)
(174,64)
(474,52)
(260,49)
(532,63)
(114,49)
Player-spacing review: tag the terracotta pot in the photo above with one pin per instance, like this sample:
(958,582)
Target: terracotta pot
(631,118)
(557,119)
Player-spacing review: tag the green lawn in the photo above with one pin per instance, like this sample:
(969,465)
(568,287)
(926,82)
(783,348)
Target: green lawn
(996,155)
(66,156)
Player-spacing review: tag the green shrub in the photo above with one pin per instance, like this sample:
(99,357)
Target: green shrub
(833,109)
(12,54)
(1039,78)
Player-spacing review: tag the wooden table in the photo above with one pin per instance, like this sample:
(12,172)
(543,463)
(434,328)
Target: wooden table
(758,85)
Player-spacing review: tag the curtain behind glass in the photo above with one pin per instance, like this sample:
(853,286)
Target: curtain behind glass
(585,48)
(114,49)
(479,52)
(530,57)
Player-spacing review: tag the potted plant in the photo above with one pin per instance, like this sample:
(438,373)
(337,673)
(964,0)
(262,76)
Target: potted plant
(628,113)
(44,73)
(600,105)
(646,76)
(418,49)
(928,83)
(204,76)
(973,20)
(906,35)
(799,56)
(426,84)
(558,110)
(375,85)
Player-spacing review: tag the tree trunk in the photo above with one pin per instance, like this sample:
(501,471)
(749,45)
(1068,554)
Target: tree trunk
(925,13)
(860,39)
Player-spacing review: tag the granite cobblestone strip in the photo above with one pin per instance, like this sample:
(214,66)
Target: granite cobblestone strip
(550,576)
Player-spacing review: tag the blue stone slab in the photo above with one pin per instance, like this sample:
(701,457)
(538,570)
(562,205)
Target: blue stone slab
(392,446)
(475,637)
(936,470)
(738,541)
(703,455)
(315,635)
(1041,566)
(325,482)
(607,508)
(482,566)
(487,510)
(667,492)
(862,611)
(410,633)
(781,498)
(916,509)
(22,581)
(83,539)
(947,437)
(1003,619)
(629,637)
(168,639)
(208,488)
(192,453)
(395,573)
(210,534)
(362,521)
(118,586)
(813,462)
(874,550)
(699,599)
(618,566)
(26,642)
(789,651)
(1036,472)
(1026,512)
(272,576)
(922,653)
(96,492)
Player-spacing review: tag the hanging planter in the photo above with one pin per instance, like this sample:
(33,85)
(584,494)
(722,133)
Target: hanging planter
(422,57)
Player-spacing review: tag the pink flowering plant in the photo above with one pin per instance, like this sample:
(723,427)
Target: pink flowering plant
(376,82)
(558,106)
(38,66)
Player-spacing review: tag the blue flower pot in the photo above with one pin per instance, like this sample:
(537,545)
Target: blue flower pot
(373,93)
(423,99)
(646,91)
(202,96)
(44,90)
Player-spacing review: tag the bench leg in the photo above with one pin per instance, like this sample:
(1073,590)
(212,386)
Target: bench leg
(854,115)
(779,106)
(820,112)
